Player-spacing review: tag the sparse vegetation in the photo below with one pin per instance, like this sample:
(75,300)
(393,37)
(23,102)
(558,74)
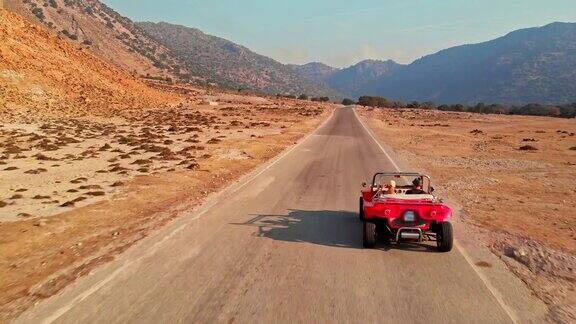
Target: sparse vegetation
(527,148)
(374,101)
(89,11)
(347,102)
(69,35)
(39,13)
(564,110)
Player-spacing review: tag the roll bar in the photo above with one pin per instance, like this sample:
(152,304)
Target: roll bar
(403,174)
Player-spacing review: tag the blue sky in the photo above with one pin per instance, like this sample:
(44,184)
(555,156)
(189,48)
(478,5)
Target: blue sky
(343,32)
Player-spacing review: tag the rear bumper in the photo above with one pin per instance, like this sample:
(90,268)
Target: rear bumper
(396,223)
(409,233)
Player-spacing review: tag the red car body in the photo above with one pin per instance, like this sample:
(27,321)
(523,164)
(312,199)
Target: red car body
(403,216)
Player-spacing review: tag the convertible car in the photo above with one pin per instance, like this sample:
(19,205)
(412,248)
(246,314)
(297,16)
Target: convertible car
(400,207)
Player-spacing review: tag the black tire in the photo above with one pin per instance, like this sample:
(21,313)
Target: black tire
(383,234)
(445,237)
(361,209)
(369,235)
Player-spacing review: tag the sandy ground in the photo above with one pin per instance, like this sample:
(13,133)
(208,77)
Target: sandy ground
(514,178)
(77,191)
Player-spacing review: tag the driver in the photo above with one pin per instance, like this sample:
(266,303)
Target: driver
(416,187)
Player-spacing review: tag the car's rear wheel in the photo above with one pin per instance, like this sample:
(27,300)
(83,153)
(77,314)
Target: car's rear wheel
(444,237)
(369,234)
(361,209)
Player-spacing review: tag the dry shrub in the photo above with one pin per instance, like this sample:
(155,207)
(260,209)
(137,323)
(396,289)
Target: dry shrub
(527,148)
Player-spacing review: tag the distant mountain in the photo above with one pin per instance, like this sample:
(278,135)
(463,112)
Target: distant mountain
(315,71)
(351,80)
(231,65)
(527,65)
(354,79)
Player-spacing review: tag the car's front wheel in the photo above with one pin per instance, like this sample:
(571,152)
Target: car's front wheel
(369,234)
(444,237)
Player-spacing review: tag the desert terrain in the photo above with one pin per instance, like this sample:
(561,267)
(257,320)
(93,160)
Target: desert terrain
(77,191)
(92,159)
(512,179)
(100,147)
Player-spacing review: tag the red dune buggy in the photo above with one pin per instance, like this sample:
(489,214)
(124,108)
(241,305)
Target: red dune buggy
(400,207)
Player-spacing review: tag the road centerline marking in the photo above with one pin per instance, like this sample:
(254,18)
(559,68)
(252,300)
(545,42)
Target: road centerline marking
(203,209)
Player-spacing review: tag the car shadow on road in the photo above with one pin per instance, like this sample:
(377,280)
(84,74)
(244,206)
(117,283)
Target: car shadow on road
(323,227)
(407,246)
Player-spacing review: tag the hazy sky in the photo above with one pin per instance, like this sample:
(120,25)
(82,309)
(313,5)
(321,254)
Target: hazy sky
(343,32)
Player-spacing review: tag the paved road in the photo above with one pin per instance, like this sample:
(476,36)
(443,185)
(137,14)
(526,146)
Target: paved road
(284,248)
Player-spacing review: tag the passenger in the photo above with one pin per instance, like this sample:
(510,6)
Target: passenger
(386,189)
(390,189)
(416,187)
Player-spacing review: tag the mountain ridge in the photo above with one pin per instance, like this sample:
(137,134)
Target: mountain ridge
(528,65)
(535,64)
(229,64)
(347,80)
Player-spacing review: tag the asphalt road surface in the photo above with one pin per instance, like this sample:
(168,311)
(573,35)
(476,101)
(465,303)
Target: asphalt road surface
(285,247)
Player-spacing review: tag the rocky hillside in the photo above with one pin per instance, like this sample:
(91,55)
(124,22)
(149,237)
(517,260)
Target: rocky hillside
(96,27)
(354,79)
(315,71)
(162,50)
(349,81)
(228,64)
(528,65)
(45,75)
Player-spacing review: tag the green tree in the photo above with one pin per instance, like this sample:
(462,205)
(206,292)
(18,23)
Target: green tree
(347,102)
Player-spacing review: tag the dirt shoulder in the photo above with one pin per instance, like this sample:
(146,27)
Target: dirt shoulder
(76,192)
(514,178)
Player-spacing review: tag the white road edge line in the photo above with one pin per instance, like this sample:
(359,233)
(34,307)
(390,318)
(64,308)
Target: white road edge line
(204,208)
(495,293)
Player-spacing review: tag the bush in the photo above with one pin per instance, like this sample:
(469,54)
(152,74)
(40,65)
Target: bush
(303,97)
(38,13)
(69,35)
(564,110)
(527,148)
(347,102)
(374,101)
(89,11)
